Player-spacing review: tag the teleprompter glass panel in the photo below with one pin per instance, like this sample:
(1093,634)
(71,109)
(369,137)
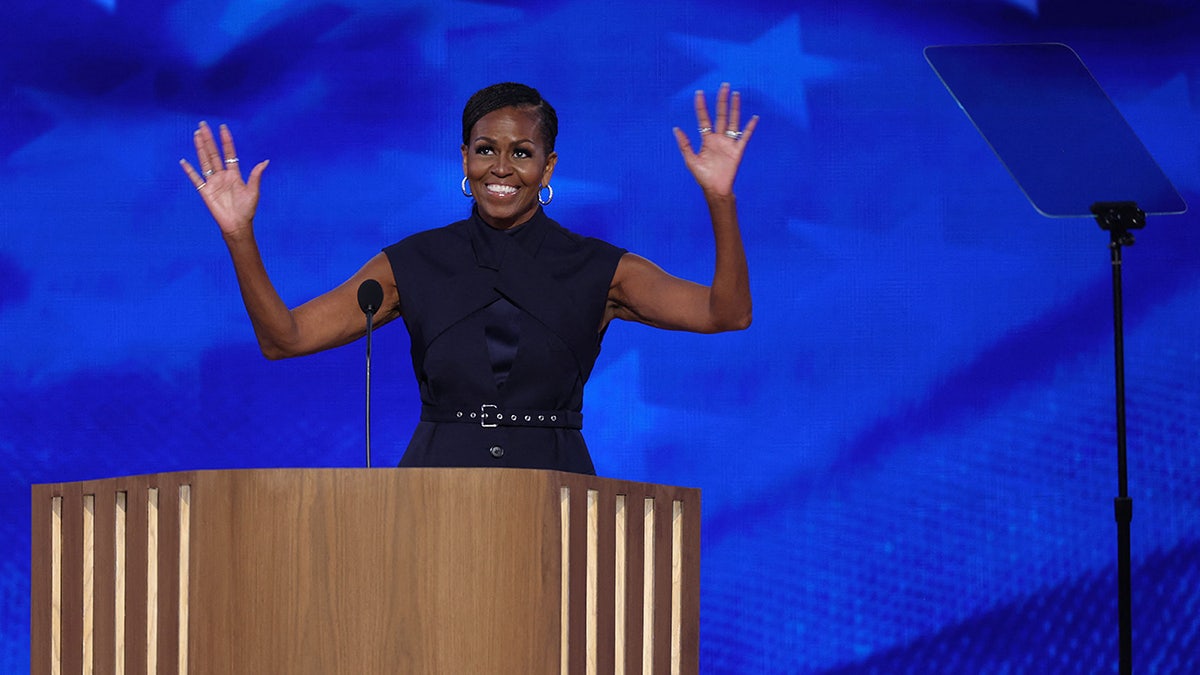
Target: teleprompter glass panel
(1053,127)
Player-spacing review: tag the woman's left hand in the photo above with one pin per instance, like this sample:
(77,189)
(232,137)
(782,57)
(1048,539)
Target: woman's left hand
(721,143)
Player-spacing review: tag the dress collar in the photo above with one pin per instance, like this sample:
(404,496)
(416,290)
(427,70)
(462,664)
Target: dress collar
(490,244)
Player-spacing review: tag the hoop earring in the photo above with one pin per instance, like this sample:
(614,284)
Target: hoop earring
(549,197)
(465,189)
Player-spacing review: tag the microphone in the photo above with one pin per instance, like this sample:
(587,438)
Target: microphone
(370,297)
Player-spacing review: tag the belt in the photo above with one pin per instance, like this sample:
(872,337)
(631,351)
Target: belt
(489,415)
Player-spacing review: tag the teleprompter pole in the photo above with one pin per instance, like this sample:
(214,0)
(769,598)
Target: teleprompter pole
(1118,218)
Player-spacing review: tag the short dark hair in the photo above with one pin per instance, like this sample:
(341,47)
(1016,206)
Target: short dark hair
(515,95)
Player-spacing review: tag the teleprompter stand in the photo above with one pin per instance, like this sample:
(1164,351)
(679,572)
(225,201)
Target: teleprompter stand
(1070,150)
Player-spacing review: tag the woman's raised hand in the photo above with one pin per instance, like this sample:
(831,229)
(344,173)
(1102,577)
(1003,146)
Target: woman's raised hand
(231,200)
(721,143)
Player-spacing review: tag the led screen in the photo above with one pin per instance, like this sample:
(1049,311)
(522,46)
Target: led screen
(908,461)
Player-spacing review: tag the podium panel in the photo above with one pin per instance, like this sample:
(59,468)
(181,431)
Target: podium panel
(364,571)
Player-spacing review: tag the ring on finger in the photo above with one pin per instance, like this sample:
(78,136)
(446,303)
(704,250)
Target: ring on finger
(735,135)
(209,172)
(201,186)
(232,160)
(705,130)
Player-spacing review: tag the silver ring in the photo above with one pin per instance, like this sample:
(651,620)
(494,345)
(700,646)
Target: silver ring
(735,135)
(201,186)
(209,172)
(232,160)
(705,130)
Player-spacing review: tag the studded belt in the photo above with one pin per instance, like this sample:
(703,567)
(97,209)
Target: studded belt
(489,415)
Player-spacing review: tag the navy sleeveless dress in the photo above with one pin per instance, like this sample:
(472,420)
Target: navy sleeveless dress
(504,327)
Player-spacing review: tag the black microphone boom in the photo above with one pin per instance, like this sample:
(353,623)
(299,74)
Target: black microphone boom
(370,297)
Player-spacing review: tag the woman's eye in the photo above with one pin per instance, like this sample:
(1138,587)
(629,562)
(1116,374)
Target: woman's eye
(520,153)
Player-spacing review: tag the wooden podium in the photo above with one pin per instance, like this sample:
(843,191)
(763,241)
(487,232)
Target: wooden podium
(359,571)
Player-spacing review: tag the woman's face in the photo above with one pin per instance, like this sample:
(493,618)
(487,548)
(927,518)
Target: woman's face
(506,164)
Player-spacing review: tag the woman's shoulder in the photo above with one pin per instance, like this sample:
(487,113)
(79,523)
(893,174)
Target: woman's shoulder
(435,237)
(563,238)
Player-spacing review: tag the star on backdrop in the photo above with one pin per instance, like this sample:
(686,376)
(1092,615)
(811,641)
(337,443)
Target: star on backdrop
(775,65)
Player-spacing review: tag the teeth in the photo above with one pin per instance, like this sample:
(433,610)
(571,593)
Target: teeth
(502,189)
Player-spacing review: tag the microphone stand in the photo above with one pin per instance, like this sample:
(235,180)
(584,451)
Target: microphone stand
(370,297)
(370,318)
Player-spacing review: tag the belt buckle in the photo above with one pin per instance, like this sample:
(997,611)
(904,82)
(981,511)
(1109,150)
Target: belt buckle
(483,416)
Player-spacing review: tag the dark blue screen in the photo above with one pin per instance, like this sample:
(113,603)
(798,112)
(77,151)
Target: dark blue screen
(908,462)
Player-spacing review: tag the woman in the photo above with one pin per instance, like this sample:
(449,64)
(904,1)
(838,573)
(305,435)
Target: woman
(506,309)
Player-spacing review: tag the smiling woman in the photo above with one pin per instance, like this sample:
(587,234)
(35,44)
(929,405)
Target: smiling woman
(506,309)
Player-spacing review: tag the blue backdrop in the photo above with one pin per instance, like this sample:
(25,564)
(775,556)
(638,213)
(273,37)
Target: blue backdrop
(908,462)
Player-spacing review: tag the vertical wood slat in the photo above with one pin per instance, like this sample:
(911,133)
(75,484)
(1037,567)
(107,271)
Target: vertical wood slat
(151,498)
(577,583)
(662,585)
(620,581)
(56,591)
(71,616)
(689,658)
(87,509)
(104,599)
(635,526)
(593,564)
(676,583)
(136,563)
(185,577)
(120,578)
(167,554)
(650,627)
(606,581)
(664,590)
(40,580)
(564,582)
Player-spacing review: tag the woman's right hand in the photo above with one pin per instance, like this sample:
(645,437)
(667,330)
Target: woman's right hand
(231,200)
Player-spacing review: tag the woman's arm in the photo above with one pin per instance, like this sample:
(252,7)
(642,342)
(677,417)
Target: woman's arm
(329,320)
(641,291)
